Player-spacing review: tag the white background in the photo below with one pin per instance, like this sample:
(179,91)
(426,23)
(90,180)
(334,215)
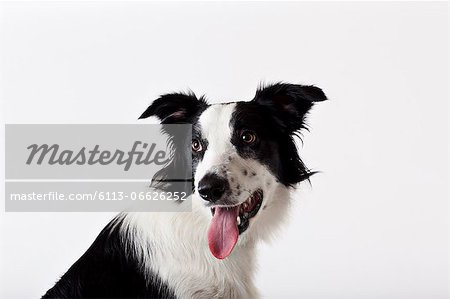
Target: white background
(374,223)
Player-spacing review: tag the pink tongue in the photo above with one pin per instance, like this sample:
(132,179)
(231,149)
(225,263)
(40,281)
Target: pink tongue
(223,232)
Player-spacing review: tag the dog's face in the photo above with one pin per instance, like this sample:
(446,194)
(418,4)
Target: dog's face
(243,154)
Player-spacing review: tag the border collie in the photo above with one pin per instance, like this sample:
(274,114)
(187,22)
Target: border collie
(245,165)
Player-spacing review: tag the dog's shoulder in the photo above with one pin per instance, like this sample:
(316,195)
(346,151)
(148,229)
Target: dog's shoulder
(108,269)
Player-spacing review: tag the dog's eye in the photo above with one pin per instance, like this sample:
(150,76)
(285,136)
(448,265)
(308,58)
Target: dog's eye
(248,137)
(197,146)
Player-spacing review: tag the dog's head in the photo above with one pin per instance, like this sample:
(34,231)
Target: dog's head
(243,154)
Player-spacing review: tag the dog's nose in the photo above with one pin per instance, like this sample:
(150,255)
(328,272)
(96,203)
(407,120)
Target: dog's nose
(211,187)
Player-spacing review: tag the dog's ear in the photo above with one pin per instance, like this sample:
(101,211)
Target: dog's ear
(289,102)
(175,108)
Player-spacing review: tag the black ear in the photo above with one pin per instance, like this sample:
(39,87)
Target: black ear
(289,102)
(175,108)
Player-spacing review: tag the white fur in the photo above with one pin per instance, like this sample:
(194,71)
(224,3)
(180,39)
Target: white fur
(215,126)
(174,246)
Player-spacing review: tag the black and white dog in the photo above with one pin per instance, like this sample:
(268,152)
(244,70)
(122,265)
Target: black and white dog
(245,164)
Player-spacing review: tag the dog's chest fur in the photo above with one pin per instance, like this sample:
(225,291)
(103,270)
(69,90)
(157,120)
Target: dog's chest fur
(182,260)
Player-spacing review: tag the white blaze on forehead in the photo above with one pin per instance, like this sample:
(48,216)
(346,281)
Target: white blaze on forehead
(215,126)
(216,119)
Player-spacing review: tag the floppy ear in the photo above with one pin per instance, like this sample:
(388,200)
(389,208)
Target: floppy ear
(289,102)
(175,108)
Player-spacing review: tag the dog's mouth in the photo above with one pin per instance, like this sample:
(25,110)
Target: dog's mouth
(231,221)
(247,210)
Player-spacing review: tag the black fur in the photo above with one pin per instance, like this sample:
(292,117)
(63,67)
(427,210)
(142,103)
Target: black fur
(106,271)
(176,108)
(289,103)
(276,114)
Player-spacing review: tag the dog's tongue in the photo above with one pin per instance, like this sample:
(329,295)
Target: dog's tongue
(223,232)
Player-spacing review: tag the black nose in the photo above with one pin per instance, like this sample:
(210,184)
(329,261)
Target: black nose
(211,187)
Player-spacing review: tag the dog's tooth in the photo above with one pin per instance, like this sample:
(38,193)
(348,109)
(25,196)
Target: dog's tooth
(238,219)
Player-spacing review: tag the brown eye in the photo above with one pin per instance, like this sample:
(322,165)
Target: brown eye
(197,146)
(248,137)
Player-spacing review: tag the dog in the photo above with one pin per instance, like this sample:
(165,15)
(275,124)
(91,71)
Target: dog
(245,164)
